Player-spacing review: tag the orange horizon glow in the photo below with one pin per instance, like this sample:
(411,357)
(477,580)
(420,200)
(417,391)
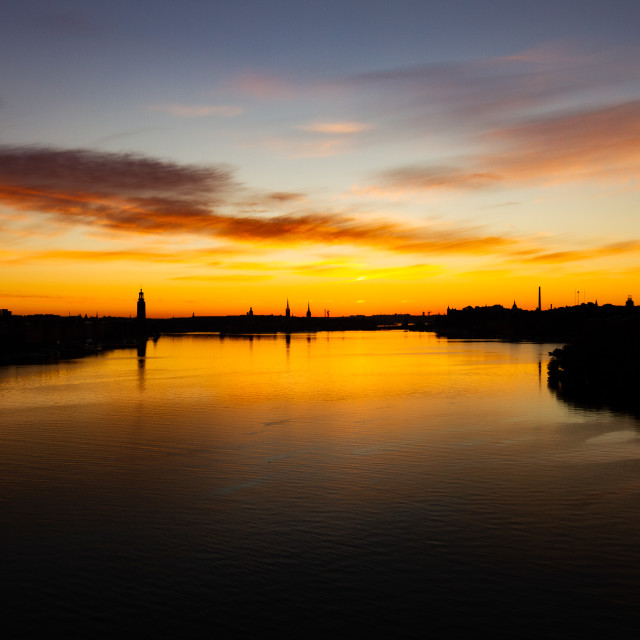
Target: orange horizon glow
(509,177)
(223,300)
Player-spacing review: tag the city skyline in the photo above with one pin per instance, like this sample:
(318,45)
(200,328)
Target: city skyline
(140,312)
(354,156)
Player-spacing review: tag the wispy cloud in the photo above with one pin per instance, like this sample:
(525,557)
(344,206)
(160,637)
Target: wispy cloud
(263,86)
(100,256)
(412,180)
(36,296)
(341,128)
(595,144)
(306,144)
(599,143)
(233,277)
(463,105)
(608,250)
(198,111)
(364,272)
(476,94)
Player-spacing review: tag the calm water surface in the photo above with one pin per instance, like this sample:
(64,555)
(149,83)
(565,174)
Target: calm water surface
(389,484)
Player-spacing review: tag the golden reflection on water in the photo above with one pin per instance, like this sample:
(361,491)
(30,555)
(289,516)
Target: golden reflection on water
(314,468)
(383,387)
(341,366)
(320,399)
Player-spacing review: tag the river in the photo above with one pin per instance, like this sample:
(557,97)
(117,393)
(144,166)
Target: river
(380,483)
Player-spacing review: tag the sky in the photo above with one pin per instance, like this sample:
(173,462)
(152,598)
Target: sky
(359,157)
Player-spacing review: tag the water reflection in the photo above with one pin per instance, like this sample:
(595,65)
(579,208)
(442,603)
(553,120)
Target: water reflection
(621,400)
(540,374)
(330,482)
(141,349)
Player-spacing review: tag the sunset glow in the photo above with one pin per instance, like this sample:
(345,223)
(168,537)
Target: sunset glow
(228,155)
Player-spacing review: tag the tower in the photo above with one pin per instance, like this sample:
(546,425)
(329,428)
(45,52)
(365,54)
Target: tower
(142,311)
(287,313)
(308,310)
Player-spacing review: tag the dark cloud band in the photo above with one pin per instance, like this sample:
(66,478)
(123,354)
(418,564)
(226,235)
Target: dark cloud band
(137,194)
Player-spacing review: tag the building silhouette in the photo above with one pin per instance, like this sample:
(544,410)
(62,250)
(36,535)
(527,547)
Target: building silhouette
(287,312)
(142,307)
(308,310)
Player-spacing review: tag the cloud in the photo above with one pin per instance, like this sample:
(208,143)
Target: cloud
(102,256)
(123,135)
(575,255)
(198,111)
(409,272)
(317,139)
(285,196)
(341,128)
(336,269)
(263,86)
(209,257)
(61,174)
(411,180)
(542,116)
(596,144)
(266,202)
(8,295)
(307,145)
(136,194)
(490,91)
(225,278)
(454,105)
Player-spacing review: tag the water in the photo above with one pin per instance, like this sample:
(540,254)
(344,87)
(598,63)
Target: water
(384,483)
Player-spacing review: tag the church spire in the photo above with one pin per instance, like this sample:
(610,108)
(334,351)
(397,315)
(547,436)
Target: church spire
(142,311)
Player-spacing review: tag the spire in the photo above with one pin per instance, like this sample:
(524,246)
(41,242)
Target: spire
(308,310)
(288,311)
(141,310)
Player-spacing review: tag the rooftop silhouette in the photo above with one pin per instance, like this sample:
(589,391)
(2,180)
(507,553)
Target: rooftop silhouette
(50,336)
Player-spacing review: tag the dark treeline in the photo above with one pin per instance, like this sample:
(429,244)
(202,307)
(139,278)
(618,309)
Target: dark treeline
(43,338)
(600,369)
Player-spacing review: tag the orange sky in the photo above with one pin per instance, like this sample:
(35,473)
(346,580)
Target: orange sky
(355,179)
